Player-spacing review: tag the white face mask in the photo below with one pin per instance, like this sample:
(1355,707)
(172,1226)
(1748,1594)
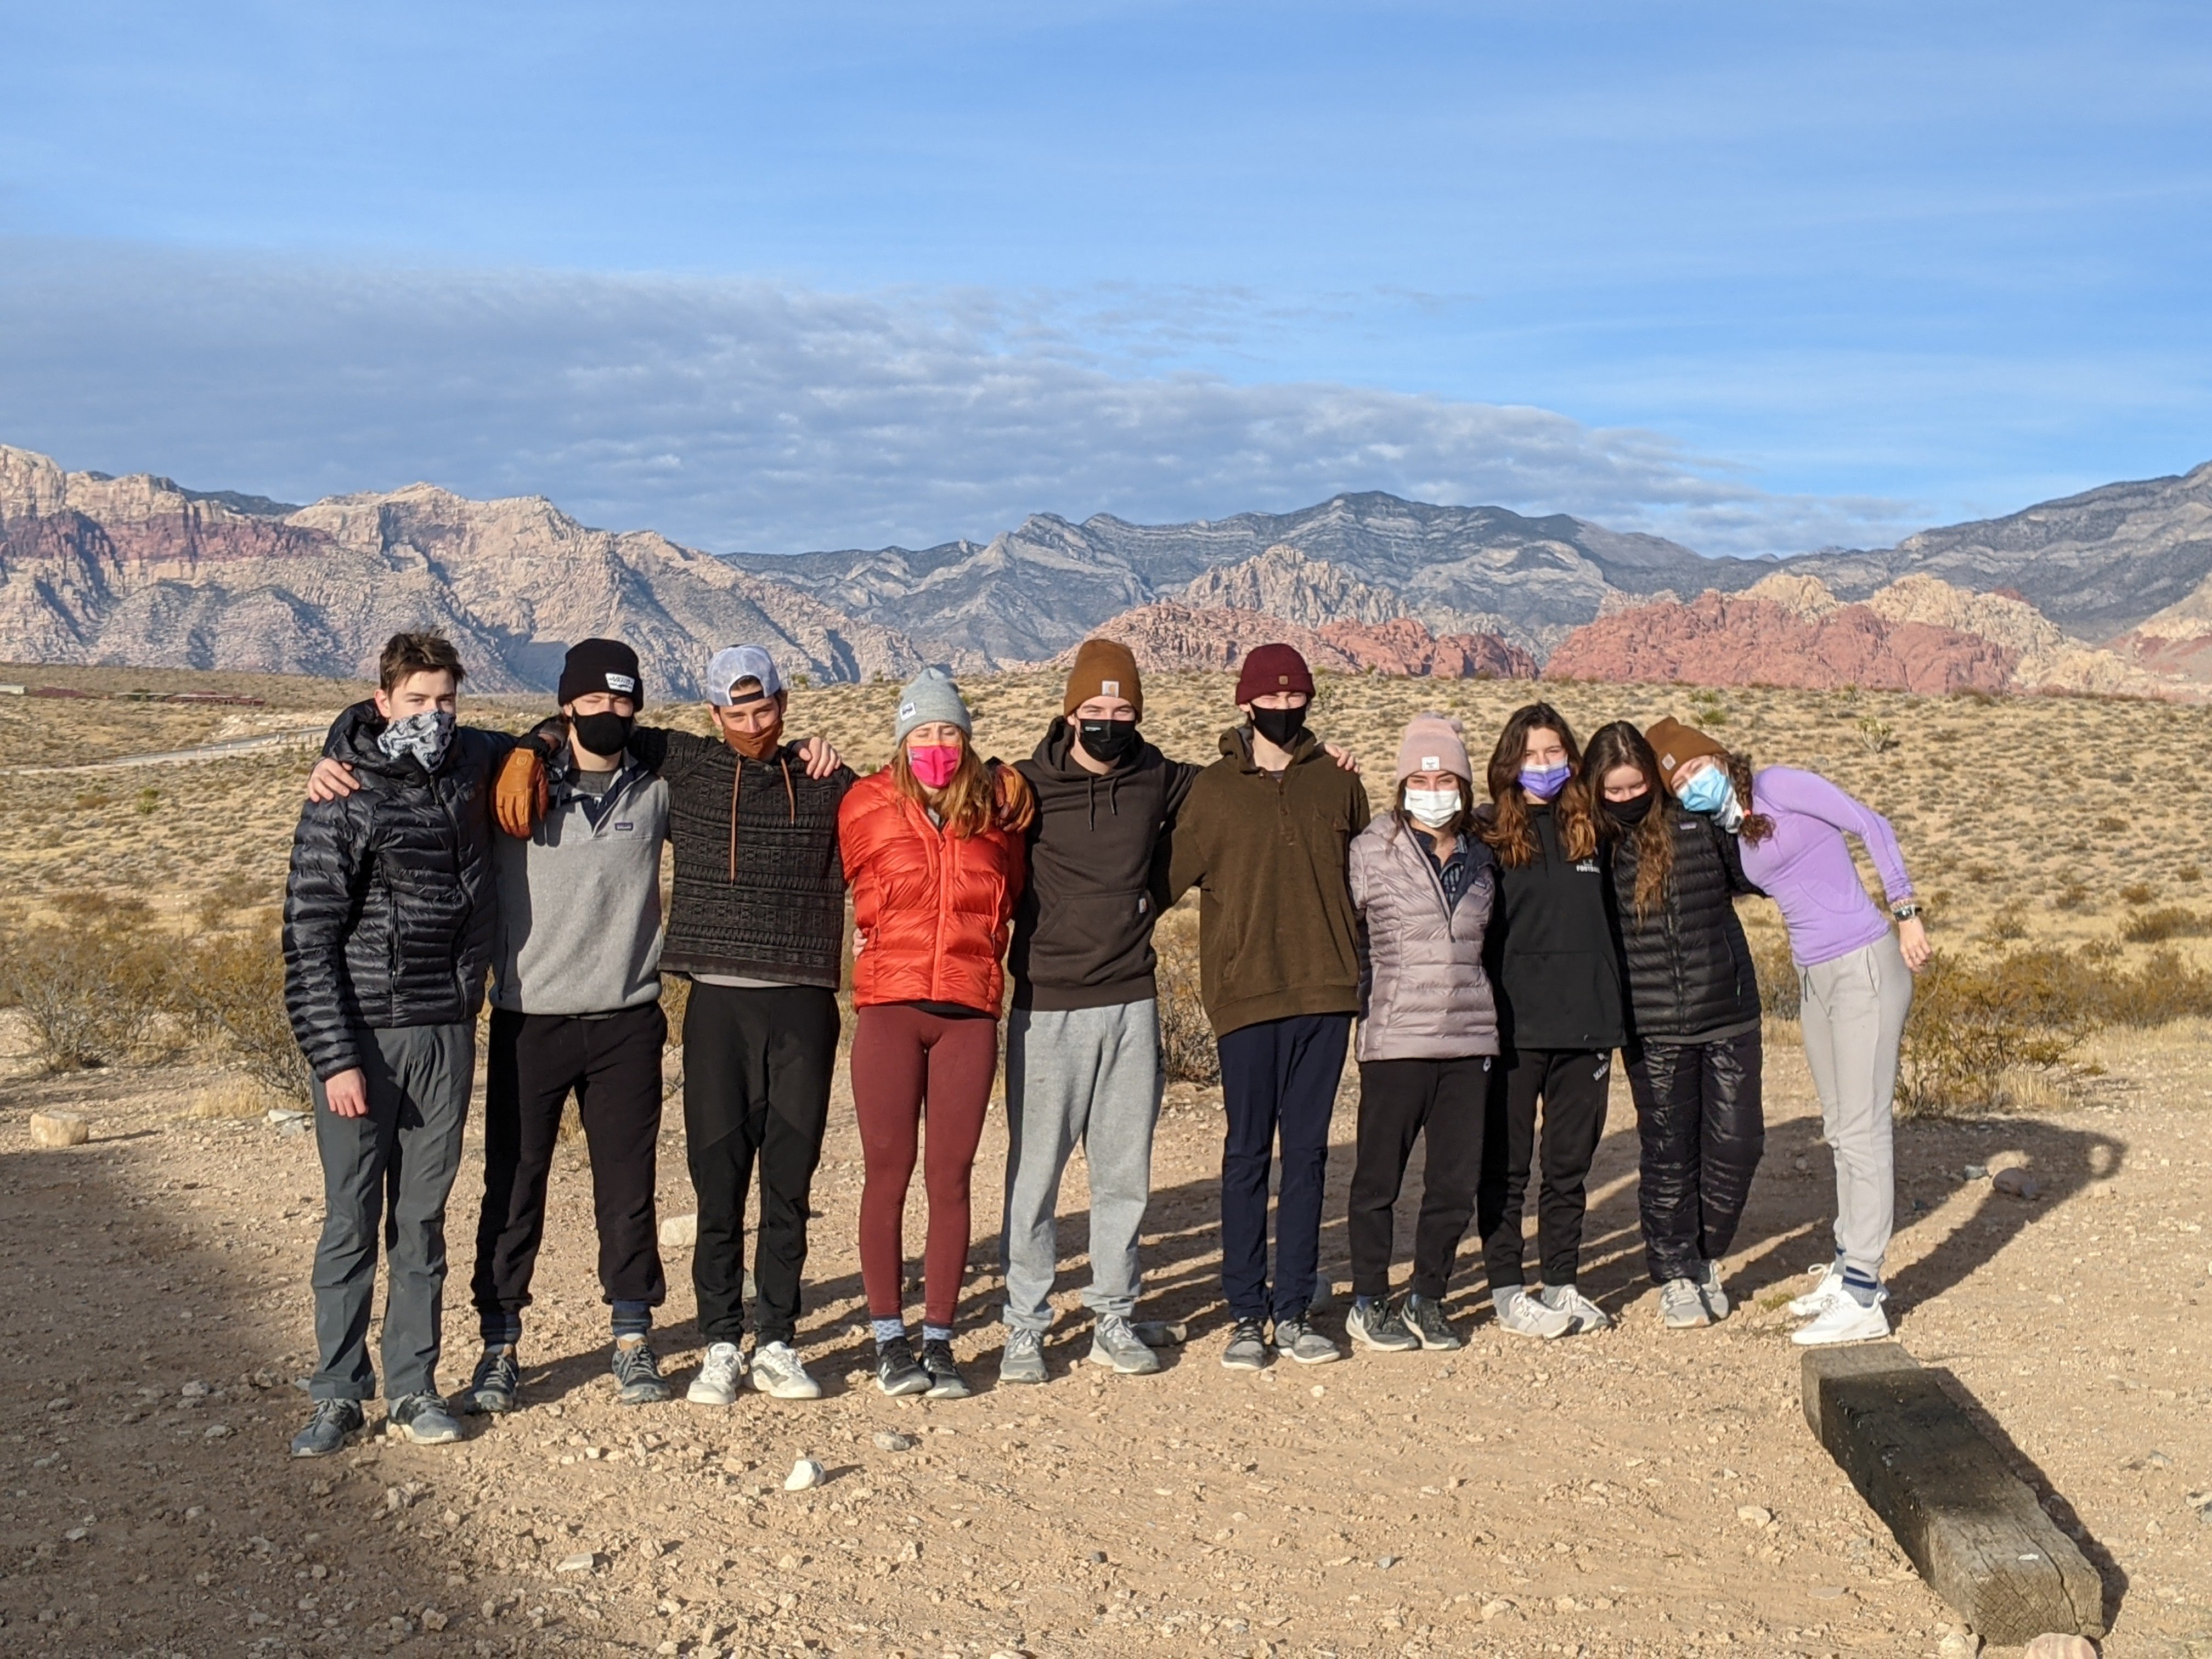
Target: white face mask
(1432,808)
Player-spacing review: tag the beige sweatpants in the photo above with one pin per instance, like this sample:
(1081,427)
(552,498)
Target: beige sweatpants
(1854,1019)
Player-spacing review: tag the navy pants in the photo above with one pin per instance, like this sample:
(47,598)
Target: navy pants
(1278,1082)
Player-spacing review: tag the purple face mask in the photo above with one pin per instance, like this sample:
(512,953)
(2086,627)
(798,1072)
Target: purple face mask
(1542,782)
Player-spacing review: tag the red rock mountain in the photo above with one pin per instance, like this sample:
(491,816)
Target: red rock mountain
(1170,636)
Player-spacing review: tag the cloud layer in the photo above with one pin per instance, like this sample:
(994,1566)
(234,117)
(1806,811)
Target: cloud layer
(749,416)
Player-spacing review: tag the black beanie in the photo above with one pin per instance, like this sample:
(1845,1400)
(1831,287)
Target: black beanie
(601,666)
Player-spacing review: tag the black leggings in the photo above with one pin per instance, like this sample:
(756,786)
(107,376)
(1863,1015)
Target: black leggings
(1443,1101)
(1698,1113)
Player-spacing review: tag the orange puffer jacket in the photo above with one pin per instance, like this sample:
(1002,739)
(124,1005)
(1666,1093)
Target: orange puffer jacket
(931,911)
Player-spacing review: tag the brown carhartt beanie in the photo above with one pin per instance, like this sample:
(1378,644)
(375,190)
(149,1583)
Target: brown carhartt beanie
(1677,745)
(1104,668)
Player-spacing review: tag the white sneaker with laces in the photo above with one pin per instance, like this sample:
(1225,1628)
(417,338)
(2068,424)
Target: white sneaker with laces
(717,1382)
(1523,1315)
(1845,1319)
(779,1373)
(1586,1314)
(1816,1300)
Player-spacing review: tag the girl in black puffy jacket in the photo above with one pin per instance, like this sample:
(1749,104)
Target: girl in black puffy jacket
(1693,1021)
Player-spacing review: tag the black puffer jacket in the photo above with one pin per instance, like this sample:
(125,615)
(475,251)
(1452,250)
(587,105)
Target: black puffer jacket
(1688,967)
(388,911)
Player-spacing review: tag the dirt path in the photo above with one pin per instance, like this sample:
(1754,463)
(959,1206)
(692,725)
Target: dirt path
(1637,1492)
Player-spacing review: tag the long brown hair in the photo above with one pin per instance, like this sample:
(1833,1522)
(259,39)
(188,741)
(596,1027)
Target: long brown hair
(1756,826)
(1506,827)
(1622,744)
(964,803)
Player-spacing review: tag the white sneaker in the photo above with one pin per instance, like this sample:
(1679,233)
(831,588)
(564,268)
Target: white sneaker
(1816,1300)
(717,1382)
(1586,1314)
(1709,1288)
(1844,1320)
(1524,1315)
(780,1374)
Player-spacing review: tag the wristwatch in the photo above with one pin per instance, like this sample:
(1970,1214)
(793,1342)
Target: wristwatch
(1907,911)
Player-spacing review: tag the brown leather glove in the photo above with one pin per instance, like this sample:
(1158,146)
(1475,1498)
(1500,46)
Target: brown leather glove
(1014,802)
(520,795)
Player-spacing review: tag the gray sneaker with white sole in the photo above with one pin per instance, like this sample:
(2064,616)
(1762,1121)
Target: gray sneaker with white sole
(1296,1339)
(1023,1361)
(1682,1306)
(1114,1346)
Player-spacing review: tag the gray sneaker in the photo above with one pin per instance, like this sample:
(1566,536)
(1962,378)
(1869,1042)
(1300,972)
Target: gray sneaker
(1376,1324)
(637,1373)
(1425,1319)
(1717,1300)
(1023,1358)
(1523,1315)
(1296,1339)
(423,1418)
(781,1374)
(1248,1347)
(492,1391)
(333,1422)
(1680,1307)
(1114,1346)
(1586,1314)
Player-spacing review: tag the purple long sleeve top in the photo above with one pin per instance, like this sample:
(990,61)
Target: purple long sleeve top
(1806,866)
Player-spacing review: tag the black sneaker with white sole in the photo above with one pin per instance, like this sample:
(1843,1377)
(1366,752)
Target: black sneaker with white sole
(945,1381)
(1425,1317)
(637,1372)
(422,1419)
(896,1371)
(1376,1324)
(333,1422)
(491,1392)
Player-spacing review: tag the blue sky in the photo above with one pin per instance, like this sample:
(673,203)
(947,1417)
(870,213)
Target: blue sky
(1762,277)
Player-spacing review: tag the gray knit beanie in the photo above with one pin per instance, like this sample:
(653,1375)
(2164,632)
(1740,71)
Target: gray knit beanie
(930,695)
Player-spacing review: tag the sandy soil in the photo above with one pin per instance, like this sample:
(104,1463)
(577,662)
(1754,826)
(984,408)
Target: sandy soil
(1635,1492)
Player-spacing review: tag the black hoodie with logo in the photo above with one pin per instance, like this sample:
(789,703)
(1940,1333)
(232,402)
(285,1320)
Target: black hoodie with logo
(1099,853)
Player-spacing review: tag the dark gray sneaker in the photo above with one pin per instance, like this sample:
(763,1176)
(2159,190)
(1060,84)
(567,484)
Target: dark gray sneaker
(1376,1324)
(1248,1347)
(945,1381)
(896,1373)
(637,1370)
(423,1418)
(333,1422)
(1425,1319)
(1296,1339)
(491,1391)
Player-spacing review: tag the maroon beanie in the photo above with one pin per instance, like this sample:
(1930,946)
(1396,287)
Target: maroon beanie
(1269,668)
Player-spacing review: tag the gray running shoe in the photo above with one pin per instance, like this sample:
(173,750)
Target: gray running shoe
(637,1369)
(333,1422)
(1681,1306)
(1586,1314)
(1296,1339)
(719,1373)
(492,1391)
(1425,1319)
(1376,1325)
(423,1418)
(1524,1315)
(1717,1299)
(1023,1359)
(1248,1347)
(1114,1345)
(779,1373)
(945,1381)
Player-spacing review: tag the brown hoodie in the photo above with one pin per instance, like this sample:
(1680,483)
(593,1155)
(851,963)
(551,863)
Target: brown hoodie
(1267,852)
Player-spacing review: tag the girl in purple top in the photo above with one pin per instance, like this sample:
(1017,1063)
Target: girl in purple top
(1855,976)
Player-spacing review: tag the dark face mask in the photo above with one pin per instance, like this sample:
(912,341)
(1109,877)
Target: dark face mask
(605,733)
(1633,811)
(1109,741)
(1280,726)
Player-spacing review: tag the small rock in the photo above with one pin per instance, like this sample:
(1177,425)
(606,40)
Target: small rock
(2016,1183)
(1097,1557)
(1496,1607)
(215,1431)
(194,1391)
(805,1474)
(1386,1562)
(583,1561)
(1751,1516)
(887,1441)
(2053,1645)
(1975,1172)
(77,1535)
(1959,1644)
(1161,1333)
(679,1232)
(433,1619)
(60,1129)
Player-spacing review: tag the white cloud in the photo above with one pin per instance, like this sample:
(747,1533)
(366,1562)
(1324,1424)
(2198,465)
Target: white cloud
(745,414)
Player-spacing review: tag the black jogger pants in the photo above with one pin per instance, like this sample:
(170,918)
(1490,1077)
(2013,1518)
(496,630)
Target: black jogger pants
(1444,1101)
(1698,1115)
(1570,1084)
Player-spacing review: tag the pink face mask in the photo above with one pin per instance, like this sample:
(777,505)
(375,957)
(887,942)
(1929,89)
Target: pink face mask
(934,763)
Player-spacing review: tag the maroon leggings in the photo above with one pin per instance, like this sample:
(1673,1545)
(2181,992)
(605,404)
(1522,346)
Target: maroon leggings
(902,1056)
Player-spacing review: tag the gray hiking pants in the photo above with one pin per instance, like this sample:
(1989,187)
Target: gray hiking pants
(1854,1019)
(390,1172)
(1090,1075)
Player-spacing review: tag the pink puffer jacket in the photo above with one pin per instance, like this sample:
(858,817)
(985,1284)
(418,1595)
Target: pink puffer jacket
(1423,992)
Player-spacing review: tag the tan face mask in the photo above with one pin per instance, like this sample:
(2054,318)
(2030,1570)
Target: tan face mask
(756,745)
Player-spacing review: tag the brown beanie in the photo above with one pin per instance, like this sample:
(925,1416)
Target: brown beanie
(1104,668)
(1677,745)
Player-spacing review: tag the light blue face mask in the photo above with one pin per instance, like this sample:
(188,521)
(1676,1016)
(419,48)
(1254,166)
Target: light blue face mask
(1709,791)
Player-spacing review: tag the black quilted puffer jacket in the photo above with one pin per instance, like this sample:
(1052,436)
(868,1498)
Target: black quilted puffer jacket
(388,913)
(1687,965)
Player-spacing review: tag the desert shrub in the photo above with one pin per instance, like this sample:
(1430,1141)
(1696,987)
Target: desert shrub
(1778,995)
(2189,872)
(1186,1050)
(2168,921)
(2137,892)
(90,992)
(675,998)
(1973,1022)
(2010,922)
(223,901)
(230,987)
(2074,895)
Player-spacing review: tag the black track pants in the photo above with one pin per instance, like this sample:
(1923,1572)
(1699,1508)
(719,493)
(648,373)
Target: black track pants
(1698,1113)
(1443,1101)
(1570,1084)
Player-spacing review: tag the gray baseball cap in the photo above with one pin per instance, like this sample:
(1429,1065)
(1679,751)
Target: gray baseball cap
(741,662)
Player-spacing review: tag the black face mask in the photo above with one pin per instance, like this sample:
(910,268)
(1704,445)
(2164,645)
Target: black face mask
(1280,726)
(1632,811)
(1109,741)
(605,733)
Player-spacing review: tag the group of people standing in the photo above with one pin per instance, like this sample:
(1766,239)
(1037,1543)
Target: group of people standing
(1495,954)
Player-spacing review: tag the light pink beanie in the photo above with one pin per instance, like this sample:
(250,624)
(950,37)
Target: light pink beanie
(1432,743)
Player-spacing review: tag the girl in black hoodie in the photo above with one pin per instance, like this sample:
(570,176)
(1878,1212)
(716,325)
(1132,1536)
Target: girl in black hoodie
(1554,965)
(1693,1021)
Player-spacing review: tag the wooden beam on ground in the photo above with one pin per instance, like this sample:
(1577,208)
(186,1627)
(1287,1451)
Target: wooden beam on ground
(1972,1526)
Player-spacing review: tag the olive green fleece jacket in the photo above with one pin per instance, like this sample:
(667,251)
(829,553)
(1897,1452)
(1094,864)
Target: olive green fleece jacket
(1268,853)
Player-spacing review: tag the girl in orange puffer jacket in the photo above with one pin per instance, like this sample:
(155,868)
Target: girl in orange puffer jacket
(935,866)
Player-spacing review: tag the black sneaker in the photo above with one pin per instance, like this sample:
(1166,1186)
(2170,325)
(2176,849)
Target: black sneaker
(1376,1324)
(896,1373)
(945,1381)
(333,1424)
(491,1391)
(638,1371)
(1425,1319)
(423,1418)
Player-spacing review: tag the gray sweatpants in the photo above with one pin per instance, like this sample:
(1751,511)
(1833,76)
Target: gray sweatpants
(1854,1018)
(410,1141)
(1090,1075)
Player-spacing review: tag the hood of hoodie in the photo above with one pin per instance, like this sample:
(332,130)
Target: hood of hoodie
(1237,743)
